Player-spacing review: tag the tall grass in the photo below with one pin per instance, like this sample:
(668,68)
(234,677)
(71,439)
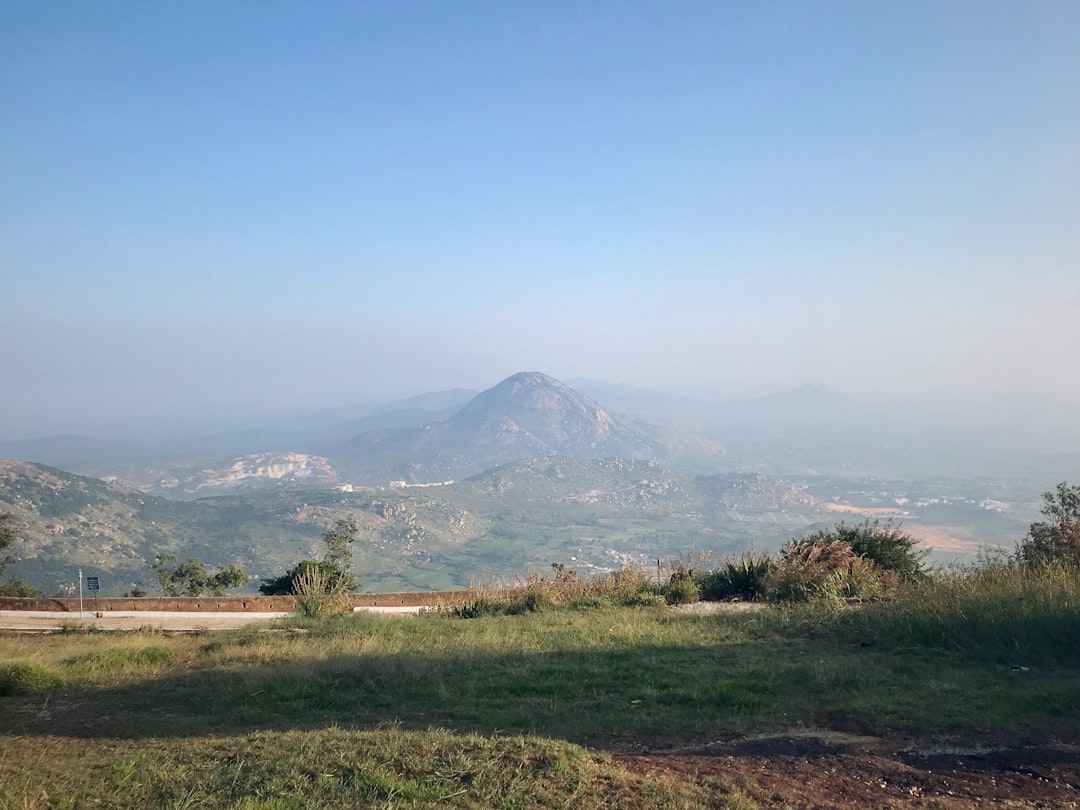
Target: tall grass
(319,592)
(994,611)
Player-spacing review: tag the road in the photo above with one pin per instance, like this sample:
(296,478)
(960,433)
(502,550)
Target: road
(48,621)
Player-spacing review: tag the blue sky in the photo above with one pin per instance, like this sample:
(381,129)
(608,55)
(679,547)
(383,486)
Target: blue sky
(219,213)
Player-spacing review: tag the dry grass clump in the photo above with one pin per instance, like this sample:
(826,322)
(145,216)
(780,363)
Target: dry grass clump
(564,588)
(319,593)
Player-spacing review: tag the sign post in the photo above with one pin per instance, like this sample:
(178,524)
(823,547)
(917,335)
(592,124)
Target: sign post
(93,585)
(80,595)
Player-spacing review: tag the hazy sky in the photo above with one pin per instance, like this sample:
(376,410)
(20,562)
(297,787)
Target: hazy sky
(235,210)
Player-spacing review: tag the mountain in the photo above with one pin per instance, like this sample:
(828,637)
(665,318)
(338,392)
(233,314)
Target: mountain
(527,415)
(318,432)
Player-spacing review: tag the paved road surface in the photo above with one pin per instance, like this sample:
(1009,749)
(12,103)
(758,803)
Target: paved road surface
(47,620)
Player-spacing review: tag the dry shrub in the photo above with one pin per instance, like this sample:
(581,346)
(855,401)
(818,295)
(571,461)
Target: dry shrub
(565,587)
(626,583)
(812,570)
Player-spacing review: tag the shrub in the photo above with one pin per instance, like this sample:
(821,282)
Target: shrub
(886,545)
(621,585)
(682,592)
(818,569)
(743,578)
(566,587)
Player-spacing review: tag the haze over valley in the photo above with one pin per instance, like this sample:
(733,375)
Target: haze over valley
(453,487)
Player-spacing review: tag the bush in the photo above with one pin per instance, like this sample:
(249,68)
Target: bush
(532,601)
(627,586)
(742,579)
(886,545)
(682,592)
(818,569)
(621,585)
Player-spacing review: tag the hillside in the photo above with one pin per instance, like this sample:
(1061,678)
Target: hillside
(597,514)
(68,521)
(527,415)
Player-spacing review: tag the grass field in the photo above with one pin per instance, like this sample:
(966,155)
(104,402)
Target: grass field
(520,711)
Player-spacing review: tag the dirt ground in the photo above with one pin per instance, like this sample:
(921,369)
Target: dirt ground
(807,769)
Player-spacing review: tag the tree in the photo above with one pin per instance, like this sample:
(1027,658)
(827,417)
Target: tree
(191,578)
(8,536)
(1058,538)
(333,569)
(339,543)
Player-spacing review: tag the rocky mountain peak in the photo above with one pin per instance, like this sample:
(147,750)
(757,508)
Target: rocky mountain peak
(531,399)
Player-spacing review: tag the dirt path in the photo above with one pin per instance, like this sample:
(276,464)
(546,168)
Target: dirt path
(821,769)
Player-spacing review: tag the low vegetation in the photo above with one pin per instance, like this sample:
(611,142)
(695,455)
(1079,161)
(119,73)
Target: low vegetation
(627,587)
(514,707)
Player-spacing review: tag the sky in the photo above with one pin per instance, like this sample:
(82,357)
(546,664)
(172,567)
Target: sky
(222,213)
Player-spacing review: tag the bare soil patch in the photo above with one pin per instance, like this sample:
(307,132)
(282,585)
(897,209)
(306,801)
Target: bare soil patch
(942,538)
(806,769)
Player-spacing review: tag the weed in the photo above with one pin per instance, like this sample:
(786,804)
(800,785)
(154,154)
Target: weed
(590,603)
(682,592)
(26,678)
(643,600)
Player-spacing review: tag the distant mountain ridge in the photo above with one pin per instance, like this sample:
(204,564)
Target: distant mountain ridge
(527,415)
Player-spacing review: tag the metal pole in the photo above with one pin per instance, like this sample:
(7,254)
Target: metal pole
(80,595)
